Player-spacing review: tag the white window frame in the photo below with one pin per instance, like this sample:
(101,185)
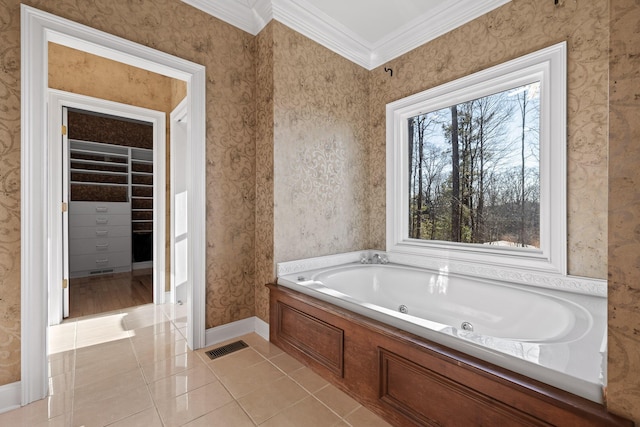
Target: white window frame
(548,66)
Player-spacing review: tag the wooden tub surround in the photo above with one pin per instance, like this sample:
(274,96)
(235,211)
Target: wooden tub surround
(409,380)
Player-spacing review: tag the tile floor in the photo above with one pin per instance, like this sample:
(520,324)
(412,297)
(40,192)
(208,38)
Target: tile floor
(132,367)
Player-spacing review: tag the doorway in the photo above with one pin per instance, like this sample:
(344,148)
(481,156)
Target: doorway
(38,206)
(112,182)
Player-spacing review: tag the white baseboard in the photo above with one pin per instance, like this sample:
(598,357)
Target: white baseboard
(262,328)
(141,265)
(236,329)
(10,396)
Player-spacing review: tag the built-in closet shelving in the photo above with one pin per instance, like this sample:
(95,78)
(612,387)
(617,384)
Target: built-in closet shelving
(142,203)
(98,172)
(142,190)
(110,207)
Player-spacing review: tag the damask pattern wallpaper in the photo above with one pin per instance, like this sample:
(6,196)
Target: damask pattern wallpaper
(518,28)
(312,147)
(321,147)
(265,265)
(9,192)
(296,145)
(624,210)
(174,27)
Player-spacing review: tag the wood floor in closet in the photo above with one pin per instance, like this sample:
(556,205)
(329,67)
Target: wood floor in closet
(98,294)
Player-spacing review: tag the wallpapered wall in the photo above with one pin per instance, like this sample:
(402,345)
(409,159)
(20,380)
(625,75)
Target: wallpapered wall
(108,130)
(321,124)
(518,28)
(227,53)
(265,266)
(624,210)
(314,105)
(315,175)
(176,28)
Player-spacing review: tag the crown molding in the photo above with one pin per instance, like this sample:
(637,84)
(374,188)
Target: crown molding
(253,15)
(423,29)
(251,18)
(321,28)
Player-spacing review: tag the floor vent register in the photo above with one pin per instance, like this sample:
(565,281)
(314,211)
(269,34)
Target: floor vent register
(226,349)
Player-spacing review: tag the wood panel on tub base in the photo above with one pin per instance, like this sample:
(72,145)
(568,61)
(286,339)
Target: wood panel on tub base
(411,381)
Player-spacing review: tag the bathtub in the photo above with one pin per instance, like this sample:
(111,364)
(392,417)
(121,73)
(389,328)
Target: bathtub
(553,336)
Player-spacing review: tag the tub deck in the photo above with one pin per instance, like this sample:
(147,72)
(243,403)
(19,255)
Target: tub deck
(411,380)
(553,336)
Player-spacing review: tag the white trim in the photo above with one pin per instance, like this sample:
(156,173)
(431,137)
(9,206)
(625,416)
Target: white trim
(423,29)
(10,395)
(230,330)
(144,265)
(313,23)
(251,19)
(547,66)
(326,261)
(321,28)
(177,115)
(566,283)
(37,29)
(58,99)
(262,328)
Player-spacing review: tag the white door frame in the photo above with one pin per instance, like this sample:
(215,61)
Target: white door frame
(178,118)
(37,29)
(59,99)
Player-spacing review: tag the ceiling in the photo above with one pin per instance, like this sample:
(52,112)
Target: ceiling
(367,32)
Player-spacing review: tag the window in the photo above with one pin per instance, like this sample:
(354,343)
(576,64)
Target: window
(476,168)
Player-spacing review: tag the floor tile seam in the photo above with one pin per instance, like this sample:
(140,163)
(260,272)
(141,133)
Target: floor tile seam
(233,399)
(154,402)
(331,409)
(95,366)
(124,417)
(132,415)
(279,368)
(302,385)
(141,360)
(282,410)
(244,410)
(229,356)
(108,378)
(188,391)
(352,412)
(210,368)
(139,363)
(75,367)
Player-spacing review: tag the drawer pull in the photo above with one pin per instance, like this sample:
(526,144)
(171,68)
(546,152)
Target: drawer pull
(102,232)
(102,209)
(102,220)
(102,246)
(102,261)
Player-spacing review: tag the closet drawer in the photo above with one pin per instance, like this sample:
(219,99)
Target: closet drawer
(100,245)
(76,220)
(99,208)
(99,232)
(98,261)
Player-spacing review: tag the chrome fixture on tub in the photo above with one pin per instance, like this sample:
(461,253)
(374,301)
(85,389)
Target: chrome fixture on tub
(379,259)
(375,259)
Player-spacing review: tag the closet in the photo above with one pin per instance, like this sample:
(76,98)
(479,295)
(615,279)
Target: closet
(110,179)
